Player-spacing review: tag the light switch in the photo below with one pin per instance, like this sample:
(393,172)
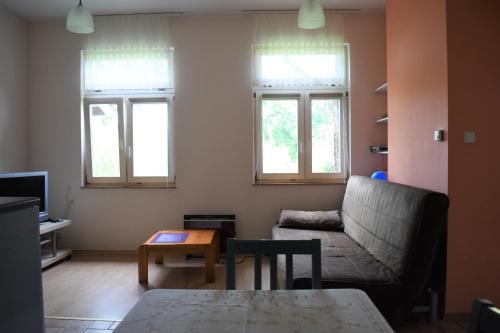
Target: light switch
(469,137)
(438,135)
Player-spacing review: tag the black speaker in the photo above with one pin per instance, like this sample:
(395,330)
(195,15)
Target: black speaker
(224,224)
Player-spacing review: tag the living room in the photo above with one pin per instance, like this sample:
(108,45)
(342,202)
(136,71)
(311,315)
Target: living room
(440,62)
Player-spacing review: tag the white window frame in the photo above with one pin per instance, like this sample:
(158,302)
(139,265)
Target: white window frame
(307,93)
(89,177)
(342,97)
(125,131)
(131,179)
(286,95)
(305,97)
(126,178)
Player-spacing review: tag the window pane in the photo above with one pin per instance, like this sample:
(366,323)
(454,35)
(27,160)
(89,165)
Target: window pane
(281,70)
(280,136)
(299,66)
(150,138)
(104,140)
(325,129)
(130,69)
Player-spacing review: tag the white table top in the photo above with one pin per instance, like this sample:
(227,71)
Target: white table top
(248,311)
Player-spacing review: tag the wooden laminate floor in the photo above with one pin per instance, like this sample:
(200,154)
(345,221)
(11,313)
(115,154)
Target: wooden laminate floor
(102,288)
(66,325)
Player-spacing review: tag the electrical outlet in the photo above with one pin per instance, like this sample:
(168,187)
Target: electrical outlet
(469,137)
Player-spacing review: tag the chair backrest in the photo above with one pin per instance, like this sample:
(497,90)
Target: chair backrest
(485,317)
(273,248)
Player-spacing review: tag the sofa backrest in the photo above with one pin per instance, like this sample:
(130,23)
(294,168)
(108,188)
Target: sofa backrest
(399,225)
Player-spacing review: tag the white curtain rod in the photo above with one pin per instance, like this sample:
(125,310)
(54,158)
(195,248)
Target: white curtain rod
(155,13)
(291,11)
(244,11)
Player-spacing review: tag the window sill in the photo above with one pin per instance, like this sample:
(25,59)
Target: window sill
(301,182)
(136,186)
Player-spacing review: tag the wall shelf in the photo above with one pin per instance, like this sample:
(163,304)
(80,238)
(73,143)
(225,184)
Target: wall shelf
(382,89)
(383,120)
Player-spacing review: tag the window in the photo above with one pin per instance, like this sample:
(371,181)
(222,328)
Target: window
(128,118)
(301,117)
(104,140)
(136,69)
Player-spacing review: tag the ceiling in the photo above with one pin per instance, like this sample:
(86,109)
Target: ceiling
(39,10)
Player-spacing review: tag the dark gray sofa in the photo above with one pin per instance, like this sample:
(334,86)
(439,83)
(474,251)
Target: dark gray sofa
(393,246)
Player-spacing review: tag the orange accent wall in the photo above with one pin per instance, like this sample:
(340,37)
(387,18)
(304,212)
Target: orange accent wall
(417,94)
(444,73)
(474,169)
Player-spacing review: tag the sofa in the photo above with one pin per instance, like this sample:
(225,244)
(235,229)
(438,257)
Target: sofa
(392,246)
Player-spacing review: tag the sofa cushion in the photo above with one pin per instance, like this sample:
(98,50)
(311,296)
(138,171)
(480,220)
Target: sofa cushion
(318,220)
(385,218)
(327,238)
(342,261)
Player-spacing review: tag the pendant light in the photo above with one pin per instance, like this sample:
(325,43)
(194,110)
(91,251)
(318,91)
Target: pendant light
(79,20)
(311,15)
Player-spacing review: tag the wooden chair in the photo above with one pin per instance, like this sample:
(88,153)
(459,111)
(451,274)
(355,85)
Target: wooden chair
(485,317)
(273,248)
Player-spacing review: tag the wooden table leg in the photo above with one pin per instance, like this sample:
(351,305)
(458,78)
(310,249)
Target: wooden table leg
(159,258)
(142,261)
(210,254)
(217,247)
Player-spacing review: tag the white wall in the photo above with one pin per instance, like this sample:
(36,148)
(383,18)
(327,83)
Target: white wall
(13,93)
(213,133)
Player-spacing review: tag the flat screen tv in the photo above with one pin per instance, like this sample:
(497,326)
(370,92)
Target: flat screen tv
(27,184)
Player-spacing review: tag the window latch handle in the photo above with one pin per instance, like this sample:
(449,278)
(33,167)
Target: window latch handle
(129,152)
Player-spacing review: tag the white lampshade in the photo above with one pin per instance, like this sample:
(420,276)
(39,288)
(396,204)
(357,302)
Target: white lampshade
(311,15)
(79,20)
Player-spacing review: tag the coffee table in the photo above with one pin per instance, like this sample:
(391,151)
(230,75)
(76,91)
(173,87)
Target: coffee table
(196,242)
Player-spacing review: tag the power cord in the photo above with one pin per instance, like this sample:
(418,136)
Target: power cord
(69,203)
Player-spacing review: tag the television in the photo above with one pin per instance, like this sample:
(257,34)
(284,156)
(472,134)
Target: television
(27,184)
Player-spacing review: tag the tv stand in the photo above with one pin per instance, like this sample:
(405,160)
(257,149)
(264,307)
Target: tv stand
(56,254)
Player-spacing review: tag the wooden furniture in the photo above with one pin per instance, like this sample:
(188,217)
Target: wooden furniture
(272,248)
(198,241)
(224,224)
(485,317)
(51,229)
(249,311)
(21,302)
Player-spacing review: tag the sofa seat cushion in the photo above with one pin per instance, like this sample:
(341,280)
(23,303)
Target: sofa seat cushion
(342,260)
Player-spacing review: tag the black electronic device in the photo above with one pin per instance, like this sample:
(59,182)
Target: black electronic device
(378,149)
(224,224)
(27,184)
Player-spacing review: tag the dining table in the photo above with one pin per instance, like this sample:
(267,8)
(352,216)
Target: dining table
(254,311)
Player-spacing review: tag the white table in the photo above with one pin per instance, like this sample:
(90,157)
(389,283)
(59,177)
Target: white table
(248,311)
